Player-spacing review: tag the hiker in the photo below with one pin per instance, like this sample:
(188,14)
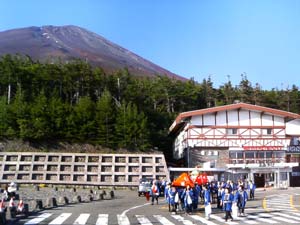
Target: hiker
(154,192)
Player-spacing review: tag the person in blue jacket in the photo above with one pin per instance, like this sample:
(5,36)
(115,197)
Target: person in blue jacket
(188,199)
(171,198)
(227,200)
(196,194)
(207,201)
(240,199)
(181,198)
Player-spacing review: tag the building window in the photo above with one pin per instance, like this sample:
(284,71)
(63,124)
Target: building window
(232,155)
(231,131)
(249,155)
(267,131)
(240,155)
(269,155)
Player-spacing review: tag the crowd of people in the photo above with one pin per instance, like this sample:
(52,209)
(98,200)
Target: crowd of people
(231,197)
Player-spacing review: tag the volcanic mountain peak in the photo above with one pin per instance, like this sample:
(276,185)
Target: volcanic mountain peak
(69,42)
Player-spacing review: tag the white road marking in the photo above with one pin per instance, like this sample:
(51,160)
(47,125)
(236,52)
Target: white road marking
(134,207)
(286,215)
(203,220)
(38,219)
(262,219)
(163,220)
(102,219)
(143,220)
(60,219)
(82,219)
(181,219)
(222,220)
(276,218)
(123,220)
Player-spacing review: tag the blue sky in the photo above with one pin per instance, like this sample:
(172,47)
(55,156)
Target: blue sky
(192,38)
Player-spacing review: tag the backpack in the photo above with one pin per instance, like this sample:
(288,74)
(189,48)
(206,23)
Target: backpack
(154,189)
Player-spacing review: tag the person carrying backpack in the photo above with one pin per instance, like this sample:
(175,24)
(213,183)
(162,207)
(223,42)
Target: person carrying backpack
(154,192)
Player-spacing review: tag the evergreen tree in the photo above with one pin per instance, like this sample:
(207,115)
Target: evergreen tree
(104,119)
(81,121)
(4,117)
(130,126)
(39,117)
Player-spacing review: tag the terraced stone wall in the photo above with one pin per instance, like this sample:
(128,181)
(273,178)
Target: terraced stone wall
(81,169)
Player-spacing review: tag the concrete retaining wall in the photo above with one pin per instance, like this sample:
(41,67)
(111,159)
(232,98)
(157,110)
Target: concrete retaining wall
(81,169)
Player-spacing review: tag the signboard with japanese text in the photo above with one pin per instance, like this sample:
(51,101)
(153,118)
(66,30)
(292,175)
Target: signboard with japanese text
(294,149)
(266,148)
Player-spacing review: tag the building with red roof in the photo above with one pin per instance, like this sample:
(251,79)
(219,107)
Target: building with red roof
(240,141)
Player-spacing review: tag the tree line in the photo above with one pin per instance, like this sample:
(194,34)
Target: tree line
(75,102)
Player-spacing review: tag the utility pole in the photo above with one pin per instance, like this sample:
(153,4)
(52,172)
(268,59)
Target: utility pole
(9,94)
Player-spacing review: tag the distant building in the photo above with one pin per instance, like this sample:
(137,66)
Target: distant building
(240,141)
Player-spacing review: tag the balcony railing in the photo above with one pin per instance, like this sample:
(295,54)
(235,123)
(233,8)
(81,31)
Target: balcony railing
(256,161)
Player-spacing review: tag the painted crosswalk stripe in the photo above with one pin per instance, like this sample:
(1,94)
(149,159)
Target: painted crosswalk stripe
(262,219)
(222,220)
(123,220)
(82,219)
(277,218)
(286,215)
(102,219)
(60,219)
(246,220)
(203,220)
(181,219)
(38,219)
(163,220)
(143,220)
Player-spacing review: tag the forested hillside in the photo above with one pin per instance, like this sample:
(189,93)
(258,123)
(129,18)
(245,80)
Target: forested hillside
(77,103)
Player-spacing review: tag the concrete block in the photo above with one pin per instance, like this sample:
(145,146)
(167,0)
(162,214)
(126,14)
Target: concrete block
(90,198)
(38,204)
(77,199)
(51,202)
(63,200)
(112,194)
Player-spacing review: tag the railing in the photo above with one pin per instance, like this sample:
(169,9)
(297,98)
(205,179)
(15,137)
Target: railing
(256,161)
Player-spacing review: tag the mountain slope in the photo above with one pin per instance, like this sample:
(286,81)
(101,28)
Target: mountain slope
(69,42)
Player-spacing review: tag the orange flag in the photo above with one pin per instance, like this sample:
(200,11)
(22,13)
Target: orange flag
(183,180)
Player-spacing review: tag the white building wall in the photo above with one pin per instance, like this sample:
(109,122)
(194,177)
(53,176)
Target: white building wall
(267,120)
(209,120)
(278,121)
(255,118)
(246,136)
(244,118)
(293,127)
(232,118)
(221,119)
(196,120)
(179,145)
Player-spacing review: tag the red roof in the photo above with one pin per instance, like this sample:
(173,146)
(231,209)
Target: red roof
(277,112)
